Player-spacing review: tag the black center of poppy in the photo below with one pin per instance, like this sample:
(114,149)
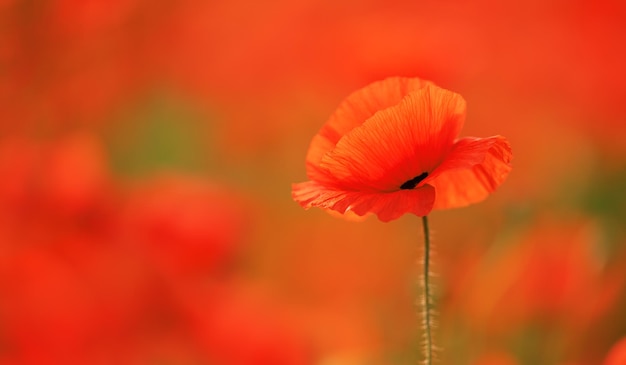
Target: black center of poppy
(411,184)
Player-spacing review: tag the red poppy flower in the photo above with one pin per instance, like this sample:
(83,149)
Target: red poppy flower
(391,148)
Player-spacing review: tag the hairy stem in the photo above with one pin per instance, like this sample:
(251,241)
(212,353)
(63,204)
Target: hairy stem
(426,298)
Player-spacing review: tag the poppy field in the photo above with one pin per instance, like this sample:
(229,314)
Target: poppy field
(312,182)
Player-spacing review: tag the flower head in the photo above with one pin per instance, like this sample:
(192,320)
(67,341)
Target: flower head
(391,148)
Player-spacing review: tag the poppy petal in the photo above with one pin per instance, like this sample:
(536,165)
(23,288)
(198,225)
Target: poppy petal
(398,143)
(474,168)
(617,354)
(354,111)
(387,206)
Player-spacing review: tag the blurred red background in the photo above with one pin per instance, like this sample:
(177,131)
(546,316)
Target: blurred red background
(147,150)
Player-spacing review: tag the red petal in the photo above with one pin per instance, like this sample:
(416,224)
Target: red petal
(398,143)
(472,170)
(617,354)
(387,206)
(354,111)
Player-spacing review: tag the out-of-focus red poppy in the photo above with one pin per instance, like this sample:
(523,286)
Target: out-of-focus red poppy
(617,354)
(237,326)
(91,275)
(53,187)
(73,299)
(75,175)
(550,276)
(185,224)
(391,148)
(45,315)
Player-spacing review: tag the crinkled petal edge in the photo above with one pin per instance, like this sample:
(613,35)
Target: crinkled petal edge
(386,205)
